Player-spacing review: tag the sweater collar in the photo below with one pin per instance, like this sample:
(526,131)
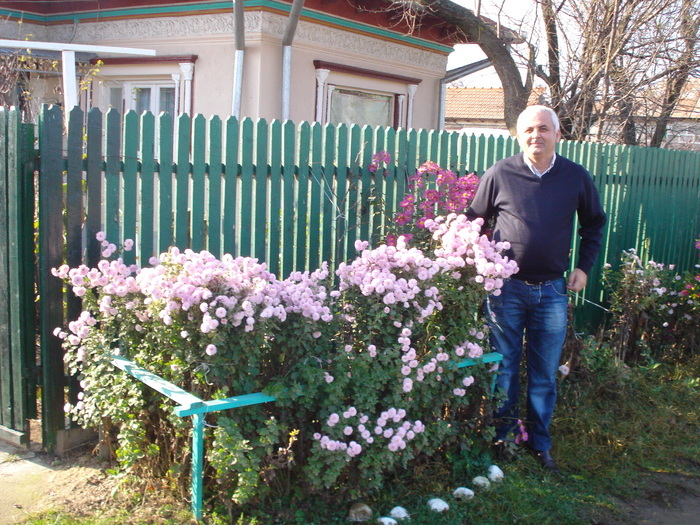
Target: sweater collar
(534,170)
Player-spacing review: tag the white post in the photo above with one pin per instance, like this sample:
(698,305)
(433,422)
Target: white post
(321,76)
(70,83)
(176,80)
(187,69)
(412,88)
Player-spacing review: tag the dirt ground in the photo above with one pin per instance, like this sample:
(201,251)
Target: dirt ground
(30,481)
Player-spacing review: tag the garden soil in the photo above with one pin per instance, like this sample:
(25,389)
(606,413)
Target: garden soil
(31,481)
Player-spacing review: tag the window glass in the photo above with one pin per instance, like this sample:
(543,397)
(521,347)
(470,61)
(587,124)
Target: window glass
(359,107)
(167,100)
(142,99)
(116,98)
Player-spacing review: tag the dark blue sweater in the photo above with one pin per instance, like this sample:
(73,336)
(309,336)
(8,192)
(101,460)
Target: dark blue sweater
(536,215)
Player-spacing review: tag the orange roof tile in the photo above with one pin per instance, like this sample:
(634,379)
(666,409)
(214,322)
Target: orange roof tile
(480,103)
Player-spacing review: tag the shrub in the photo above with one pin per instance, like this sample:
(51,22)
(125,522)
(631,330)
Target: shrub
(365,376)
(654,310)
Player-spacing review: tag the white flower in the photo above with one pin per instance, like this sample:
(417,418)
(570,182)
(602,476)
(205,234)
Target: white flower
(481,482)
(399,513)
(387,521)
(495,474)
(438,505)
(564,370)
(463,493)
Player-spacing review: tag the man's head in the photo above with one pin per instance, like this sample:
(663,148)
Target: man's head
(538,133)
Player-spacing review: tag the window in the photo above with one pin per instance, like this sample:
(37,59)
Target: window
(150,97)
(349,106)
(155,84)
(352,95)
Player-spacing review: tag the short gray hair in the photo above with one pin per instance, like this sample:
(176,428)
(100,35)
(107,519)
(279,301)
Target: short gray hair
(531,110)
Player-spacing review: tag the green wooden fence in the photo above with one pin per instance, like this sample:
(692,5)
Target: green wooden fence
(293,196)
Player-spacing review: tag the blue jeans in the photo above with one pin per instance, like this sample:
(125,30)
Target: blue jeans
(539,312)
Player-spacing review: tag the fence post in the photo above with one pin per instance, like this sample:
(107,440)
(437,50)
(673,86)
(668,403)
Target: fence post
(51,287)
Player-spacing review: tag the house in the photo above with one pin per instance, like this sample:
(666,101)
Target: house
(353,61)
(480,110)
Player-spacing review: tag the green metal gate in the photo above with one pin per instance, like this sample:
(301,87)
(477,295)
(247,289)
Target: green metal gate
(18,369)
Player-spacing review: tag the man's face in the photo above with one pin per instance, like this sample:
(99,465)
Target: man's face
(537,137)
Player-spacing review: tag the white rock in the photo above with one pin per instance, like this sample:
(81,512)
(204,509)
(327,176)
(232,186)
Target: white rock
(399,513)
(387,521)
(438,505)
(463,493)
(495,474)
(481,482)
(359,512)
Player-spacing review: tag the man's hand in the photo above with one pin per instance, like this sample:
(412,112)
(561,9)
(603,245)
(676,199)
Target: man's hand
(577,280)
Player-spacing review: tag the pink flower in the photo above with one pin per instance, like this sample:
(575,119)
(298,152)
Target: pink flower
(211,350)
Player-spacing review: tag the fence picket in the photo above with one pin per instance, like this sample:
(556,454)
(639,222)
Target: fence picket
(290,211)
(199,196)
(262,174)
(246,195)
(214,149)
(328,193)
(231,172)
(130,181)
(302,197)
(352,174)
(112,175)
(147,222)
(275,243)
(165,183)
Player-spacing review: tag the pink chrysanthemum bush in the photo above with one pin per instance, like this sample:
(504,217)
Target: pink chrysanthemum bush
(394,391)
(214,327)
(432,192)
(365,373)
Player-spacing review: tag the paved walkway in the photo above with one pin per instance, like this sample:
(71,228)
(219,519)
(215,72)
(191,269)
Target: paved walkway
(30,481)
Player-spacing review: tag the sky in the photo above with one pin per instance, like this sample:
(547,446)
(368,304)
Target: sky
(509,11)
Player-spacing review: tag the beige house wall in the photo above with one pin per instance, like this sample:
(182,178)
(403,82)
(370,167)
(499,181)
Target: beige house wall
(211,39)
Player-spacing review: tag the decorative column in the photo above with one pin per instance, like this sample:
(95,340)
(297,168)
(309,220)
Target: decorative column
(187,69)
(412,88)
(176,79)
(321,77)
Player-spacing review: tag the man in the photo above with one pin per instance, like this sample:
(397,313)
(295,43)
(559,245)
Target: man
(532,199)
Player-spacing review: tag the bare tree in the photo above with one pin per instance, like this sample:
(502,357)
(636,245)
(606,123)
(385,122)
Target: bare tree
(495,40)
(609,60)
(615,69)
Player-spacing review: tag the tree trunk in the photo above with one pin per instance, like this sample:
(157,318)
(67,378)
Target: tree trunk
(496,47)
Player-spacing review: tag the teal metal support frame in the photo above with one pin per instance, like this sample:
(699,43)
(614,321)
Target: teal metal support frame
(191,405)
